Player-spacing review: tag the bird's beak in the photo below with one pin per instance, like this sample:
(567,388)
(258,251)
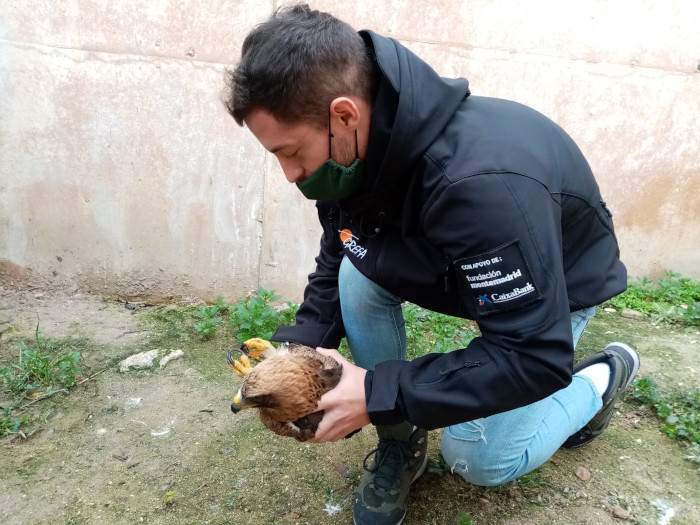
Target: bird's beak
(239,403)
(236,405)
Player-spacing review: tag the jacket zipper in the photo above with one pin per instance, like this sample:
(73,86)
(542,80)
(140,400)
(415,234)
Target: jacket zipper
(471,364)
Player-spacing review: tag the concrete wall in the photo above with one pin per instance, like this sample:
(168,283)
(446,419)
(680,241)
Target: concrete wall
(121,173)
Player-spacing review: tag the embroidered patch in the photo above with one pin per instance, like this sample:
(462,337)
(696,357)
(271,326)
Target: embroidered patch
(500,279)
(350,243)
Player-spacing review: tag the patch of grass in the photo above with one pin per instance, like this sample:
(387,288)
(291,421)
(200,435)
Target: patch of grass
(170,325)
(680,413)
(40,367)
(672,299)
(41,371)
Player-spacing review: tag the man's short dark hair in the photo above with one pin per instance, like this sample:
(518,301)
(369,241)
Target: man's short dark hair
(295,64)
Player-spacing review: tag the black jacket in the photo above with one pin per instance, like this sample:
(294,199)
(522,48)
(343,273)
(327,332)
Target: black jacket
(474,207)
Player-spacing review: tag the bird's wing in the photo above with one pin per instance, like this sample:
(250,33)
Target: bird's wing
(330,368)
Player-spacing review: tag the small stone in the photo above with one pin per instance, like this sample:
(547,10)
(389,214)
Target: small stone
(583,473)
(142,360)
(621,513)
(483,500)
(632,314)
(609,310)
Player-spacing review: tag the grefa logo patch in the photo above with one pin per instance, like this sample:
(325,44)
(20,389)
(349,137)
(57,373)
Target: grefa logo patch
(350,243)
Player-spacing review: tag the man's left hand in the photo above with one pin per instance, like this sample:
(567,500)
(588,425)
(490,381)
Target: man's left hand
(345,407)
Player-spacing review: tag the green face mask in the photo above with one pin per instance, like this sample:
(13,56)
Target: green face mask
(332,182)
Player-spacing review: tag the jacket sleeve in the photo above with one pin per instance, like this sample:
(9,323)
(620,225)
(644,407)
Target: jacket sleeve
(319,321)
(502,234)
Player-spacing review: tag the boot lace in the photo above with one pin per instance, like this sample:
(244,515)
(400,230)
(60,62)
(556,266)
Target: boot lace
(391,457)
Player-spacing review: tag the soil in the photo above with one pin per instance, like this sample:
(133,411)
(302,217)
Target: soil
(161,445)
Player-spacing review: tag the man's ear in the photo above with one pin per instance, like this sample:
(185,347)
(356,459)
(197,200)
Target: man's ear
(345,112)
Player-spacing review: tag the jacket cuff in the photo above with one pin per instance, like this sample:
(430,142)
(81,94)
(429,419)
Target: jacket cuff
(312,335)
(381,393)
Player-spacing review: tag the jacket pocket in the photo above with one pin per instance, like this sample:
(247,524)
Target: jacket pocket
(438,373)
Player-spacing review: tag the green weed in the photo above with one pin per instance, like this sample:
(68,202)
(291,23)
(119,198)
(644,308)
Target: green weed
(10,424)
(40,367)
(679,412)
(255,317)
(207,327)
(169,500)
(41,372)
(672,299)
(316,480)
(465,519)
(211,316)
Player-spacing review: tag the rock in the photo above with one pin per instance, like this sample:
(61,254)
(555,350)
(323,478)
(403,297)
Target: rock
(620,513)
(583,473)
(142,360)
(609,310)
(146,359)
(632,314)
(174,354)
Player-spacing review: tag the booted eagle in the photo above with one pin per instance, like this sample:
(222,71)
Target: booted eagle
(285,387)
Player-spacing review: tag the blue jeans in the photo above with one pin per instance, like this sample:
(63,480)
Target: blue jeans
(486,451)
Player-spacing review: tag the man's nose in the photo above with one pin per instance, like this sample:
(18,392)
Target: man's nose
(292,172)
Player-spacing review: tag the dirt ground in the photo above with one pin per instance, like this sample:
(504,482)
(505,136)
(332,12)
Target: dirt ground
(161,445)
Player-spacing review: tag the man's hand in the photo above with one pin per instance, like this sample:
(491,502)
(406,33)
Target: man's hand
(345,407)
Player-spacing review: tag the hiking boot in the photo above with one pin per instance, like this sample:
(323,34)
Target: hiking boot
(399,460)
(624,364)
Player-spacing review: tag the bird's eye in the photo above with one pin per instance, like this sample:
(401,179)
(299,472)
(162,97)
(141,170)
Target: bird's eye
(262,400)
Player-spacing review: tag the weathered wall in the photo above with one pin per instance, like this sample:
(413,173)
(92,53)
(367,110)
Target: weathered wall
(121,172)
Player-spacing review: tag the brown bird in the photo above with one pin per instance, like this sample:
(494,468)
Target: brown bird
(286,387)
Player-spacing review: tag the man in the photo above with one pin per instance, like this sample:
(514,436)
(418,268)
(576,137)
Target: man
(474,207)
